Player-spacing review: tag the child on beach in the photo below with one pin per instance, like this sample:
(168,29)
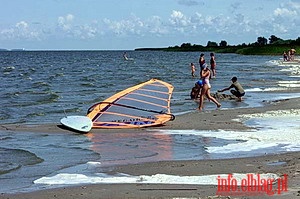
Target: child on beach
(193,69)
(285,57)
(238,92)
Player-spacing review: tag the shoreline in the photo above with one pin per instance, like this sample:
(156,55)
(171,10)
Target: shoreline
(258,164)
(205,120)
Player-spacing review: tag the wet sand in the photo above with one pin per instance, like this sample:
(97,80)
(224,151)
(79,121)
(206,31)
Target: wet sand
(206,120)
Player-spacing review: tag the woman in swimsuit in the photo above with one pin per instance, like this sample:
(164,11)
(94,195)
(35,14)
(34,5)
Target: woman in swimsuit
(205,73)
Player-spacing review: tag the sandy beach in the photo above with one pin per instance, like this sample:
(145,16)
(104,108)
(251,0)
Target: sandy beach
(206,120)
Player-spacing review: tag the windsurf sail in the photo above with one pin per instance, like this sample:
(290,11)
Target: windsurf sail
(146,104)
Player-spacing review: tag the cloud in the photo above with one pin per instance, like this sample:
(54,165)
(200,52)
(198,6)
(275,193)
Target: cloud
(65,23)
(285,18)
(21,30)
(281,20)
(178,19)
(156,26)
(88,32)
(22,25)
(133,25)
(67,27)
(285,12)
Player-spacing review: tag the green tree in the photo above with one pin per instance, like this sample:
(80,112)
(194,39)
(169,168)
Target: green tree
(273,39)
(261,41)
(223,43)
(186,45)
(297,41)
(211,44)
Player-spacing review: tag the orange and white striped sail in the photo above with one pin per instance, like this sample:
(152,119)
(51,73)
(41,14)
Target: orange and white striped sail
(146,104)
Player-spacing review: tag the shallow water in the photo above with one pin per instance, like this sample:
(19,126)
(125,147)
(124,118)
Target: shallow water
(38,86)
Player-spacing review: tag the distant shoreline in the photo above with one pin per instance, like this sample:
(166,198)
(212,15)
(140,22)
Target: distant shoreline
(240,49)
(273,50)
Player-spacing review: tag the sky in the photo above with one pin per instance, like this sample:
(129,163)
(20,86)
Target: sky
(131,24)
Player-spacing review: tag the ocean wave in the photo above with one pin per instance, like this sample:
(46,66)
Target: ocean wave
(87,84)
(289,84)
(6,167)
(5,138)
(8,69)
(75,178)
(284,113)
(51,77)
(35,114)
(4,115)
(273,62)
(266,138)
(12,159)
(41,84)
(289,64)
(265,89)
(31,98)
(147,155)
(88,79)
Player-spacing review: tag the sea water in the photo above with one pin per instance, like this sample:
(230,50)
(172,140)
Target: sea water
(38,86)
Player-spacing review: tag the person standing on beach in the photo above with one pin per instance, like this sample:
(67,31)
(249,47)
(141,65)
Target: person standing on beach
(193,69)
(238,91)
(213,64)
(201,62)
(205,73)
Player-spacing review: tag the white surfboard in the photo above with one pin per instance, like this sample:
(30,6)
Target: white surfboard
(78,123)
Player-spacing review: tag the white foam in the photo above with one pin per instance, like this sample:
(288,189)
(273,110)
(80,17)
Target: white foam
(254,90)
(274,129)
(248,141)
(289,84)
(265,89)
(273,62)
(272,114)
(94,163)
(73,179)
(293,69)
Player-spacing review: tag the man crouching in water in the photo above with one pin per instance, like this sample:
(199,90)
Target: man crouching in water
(238,92)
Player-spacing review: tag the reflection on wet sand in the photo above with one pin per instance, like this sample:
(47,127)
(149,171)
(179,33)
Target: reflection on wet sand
(138,147)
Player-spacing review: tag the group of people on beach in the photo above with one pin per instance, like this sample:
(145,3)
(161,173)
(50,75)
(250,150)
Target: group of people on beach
(202,86)
(290,55)
(202,62)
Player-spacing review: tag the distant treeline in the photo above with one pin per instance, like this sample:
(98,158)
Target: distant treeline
(275,46)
